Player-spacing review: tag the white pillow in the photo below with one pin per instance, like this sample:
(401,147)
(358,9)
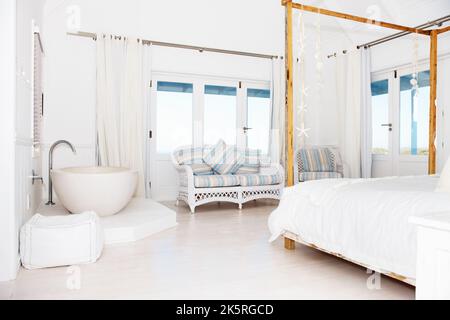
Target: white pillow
(444,180)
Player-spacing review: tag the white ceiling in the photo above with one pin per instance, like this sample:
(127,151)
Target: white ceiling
(405,12)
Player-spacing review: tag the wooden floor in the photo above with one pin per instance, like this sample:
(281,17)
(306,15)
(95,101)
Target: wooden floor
(219,253)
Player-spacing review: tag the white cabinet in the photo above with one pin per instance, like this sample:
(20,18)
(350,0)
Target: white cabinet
(433,256)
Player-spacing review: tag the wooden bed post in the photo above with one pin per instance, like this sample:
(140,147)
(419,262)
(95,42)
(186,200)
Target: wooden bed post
(289,95)
(433,95)
(289,244)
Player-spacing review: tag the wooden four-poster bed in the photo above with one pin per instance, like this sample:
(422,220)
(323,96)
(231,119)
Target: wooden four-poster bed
(309,201)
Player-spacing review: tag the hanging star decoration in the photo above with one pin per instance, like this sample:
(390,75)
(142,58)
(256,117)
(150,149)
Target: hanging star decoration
(305,91)
(301,45)
(302,109)
(415,81)
(303,131)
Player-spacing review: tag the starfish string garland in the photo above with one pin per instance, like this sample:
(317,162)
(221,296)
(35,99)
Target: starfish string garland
(303,131)
(305,91)
(301,107)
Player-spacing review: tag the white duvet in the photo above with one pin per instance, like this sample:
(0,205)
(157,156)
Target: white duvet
(365,220)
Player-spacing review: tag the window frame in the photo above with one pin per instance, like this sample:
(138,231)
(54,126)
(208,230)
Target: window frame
(393,75)
(154,125)
(391,85)
(222,82)
(260,86)
(198,104)
(400,73)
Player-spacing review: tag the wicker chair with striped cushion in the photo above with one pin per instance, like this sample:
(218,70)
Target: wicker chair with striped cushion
(315,163)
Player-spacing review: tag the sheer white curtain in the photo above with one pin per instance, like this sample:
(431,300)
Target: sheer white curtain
(366,113)
(354,108)
(277,132)
(120,104)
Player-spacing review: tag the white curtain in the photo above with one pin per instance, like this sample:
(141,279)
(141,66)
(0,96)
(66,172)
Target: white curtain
(354,108)
(120,104)
(277,132)
(366,113)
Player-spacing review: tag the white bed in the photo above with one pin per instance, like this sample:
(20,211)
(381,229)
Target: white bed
(362,220)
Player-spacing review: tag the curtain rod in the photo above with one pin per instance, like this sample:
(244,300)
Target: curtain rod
(437,22)
(184,46)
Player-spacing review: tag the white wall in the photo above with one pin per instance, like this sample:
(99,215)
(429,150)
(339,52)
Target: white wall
(236,25)
(19,198)
(8,247)
(443,110)
(28,196)
(252,25)
(70,61)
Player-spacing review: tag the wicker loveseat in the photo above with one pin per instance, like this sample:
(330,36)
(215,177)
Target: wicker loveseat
(252,177)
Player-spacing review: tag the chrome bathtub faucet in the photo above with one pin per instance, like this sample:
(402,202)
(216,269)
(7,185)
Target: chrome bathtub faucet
(50,167)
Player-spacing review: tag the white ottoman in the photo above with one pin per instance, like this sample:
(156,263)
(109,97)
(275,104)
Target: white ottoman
(57,241)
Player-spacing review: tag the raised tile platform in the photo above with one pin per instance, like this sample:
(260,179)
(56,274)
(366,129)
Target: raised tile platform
(140,219)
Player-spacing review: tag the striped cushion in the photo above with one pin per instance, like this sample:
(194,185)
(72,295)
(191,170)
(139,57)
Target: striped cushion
(251,162)
(265,161)
(251,180)
(189,155)
(201,169)
(307,176)
(254,160)
(248,169)
(214,181)
(316,160)
(224,159)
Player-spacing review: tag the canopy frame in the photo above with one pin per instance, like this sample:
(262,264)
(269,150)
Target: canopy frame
(433,34)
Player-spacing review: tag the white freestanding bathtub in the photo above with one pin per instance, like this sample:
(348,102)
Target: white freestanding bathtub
(104,190)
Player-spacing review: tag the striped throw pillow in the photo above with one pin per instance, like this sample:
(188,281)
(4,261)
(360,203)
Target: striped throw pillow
(201,169)
(251,162)
(189,155)
(224,159)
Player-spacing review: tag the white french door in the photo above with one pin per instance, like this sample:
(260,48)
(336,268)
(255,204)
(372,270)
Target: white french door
(256,116)
(400,119)
(200,110)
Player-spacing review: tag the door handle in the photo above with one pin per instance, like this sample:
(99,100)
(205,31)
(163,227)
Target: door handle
(246,129)
(387,125)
